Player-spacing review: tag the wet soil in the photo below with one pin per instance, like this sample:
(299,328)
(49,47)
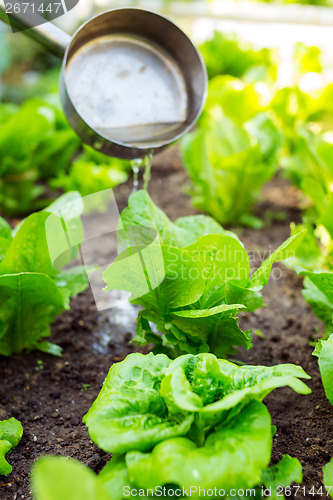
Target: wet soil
(50,395)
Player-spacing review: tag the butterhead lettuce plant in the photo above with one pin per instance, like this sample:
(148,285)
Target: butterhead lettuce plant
(148,399)
(191,278)
(36,142)
(197,421)
(33,287)
(232,153)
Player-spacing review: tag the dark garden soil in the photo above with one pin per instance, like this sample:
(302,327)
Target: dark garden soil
(50,395)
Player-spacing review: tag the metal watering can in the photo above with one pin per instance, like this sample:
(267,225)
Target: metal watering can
(131,81)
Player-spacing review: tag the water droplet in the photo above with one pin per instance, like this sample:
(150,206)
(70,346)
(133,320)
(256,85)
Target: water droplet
(136,164)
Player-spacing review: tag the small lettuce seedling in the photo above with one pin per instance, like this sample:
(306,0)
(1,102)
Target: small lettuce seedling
(191,277)
(147,399)
(33,288)
(10,435)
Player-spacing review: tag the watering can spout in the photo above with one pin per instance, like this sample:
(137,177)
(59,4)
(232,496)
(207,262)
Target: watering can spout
(52,38)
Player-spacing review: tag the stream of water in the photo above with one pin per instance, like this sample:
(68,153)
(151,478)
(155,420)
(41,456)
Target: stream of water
(121,318)
(136,165)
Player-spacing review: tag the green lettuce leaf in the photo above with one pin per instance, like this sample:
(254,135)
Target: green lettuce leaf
(142,214)
(285,251)
(282,475)
(53,478)
(5,237)
(5,230)
(4,245)
(222,259)
(28,251)
(64,228)
(232,457)
(324,353)
(320,304)
(308,254)
(152,274)
(114,478)
(328,477)
(29,303)
(318,292)
(208,330)
(11,432)
(71,283)
(323,281)
(129,412)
